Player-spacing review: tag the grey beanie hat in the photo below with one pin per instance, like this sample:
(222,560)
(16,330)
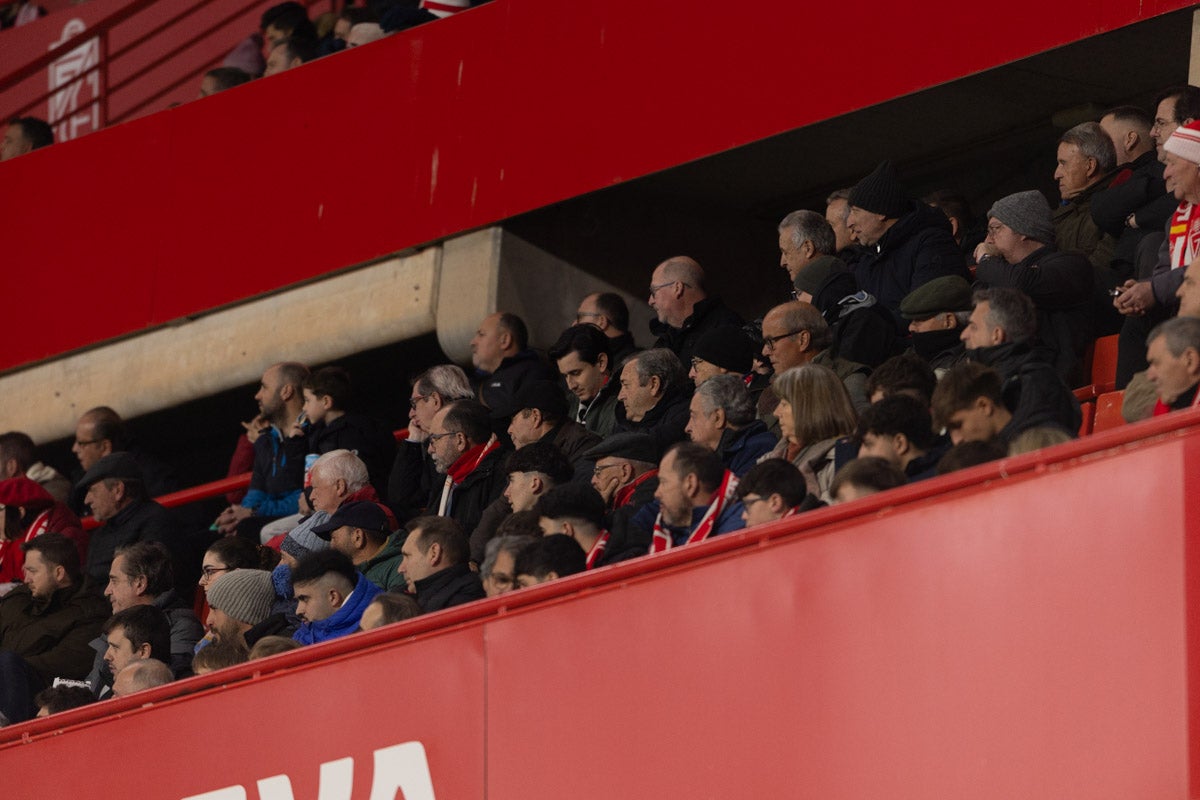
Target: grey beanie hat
(1027,213)
(301,540)
(246,595)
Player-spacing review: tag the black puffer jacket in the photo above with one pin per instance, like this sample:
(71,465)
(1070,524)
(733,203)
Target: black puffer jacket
(707,314)
(1033,391)
(863,331)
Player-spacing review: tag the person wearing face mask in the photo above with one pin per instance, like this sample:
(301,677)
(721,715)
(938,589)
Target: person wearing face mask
(937,312)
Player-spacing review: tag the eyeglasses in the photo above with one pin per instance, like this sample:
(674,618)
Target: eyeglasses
(601,467)
(769,342)
(994,229)
(210,571)
(412,402)
(86,442)
(581,314)
(434,437)
(654,287)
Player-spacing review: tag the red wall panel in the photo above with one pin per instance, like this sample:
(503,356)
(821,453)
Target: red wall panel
(451,126)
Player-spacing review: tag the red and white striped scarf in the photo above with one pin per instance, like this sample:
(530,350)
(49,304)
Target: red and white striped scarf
(662,537)
(597,550)
(460,469)
(1185,235)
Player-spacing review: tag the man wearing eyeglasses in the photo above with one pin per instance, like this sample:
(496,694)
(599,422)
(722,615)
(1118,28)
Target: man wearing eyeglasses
(795,334)
(469,456)
(683,308)
(608,312)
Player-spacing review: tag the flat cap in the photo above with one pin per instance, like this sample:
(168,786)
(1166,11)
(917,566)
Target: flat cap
(634,446)
(947,293)
(120,466)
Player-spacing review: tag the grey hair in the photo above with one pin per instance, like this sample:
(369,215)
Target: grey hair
(448,380)
(800,316)
(1011,310)
(809,226)
(508,544)
(661,363)
(727,392)
(1181,334)
(344,465)
(1093,143)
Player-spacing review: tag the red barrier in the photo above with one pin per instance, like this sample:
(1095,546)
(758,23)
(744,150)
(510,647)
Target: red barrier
(1021,639)
(457,124)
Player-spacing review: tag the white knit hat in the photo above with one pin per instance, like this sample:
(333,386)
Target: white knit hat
(1185,142)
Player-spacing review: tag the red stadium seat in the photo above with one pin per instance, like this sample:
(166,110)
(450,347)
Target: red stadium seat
(1108,411)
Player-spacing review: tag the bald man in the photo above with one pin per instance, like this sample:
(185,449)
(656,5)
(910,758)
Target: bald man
(683,308)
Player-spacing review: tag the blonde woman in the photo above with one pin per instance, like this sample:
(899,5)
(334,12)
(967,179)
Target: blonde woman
(814,412)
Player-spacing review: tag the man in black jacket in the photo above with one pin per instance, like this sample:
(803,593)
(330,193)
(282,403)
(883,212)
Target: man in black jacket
(683,307)
(654,397)
(468,458)
(435,564)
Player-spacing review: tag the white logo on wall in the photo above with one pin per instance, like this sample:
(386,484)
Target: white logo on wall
(400,768)
(75,109)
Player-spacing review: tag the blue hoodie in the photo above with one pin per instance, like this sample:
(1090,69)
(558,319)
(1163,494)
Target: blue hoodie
(345,620)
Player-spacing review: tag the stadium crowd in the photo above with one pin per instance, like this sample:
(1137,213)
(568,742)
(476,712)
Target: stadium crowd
(913,344)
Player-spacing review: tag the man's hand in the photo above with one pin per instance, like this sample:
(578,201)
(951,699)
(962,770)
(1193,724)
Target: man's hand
(984,250)
(1135,298)
(228,520)
(608,488)
(255,427)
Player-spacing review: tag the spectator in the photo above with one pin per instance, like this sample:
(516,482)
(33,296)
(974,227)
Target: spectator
(57,699)
(1173,352)
(289,54)
(45,625)
(386,608)
(134,634)
(116,494)
(724,350)
(999,334)
(532,471)
(683,308)
(837,212)
(722,419)
(18,457)
(653,397)
(26,512)
(413,473)
(278,474)
(331,595)
(286,21)
(239,600)
(364,33)
(861,330)
(956,208)
(436,564)
(548,559)
(328,400)
(697,497)
(141,575)
(969,404)
(904,374)
(795,334)
(336,478)
(864,477)
(24,135)
(1086,160)
(936,313)
(469,456)
(585,364)
(541,417)
(899,429)
(608,312)
(814,412)
(805,237)
(1175,107)
(99,432)
(908,243)
(273,646)
(971,454)
(500,352)
(772,490)
(1020,253)
(1140,396)
(1037,439)
(577,511)
(222,78)
(219,655)
(498,563)
(362,532)
(139,676)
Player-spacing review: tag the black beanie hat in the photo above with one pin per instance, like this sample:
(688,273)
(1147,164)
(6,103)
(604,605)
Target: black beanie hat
(727,347)
(881,193)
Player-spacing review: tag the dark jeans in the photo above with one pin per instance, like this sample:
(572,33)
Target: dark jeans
(18,685)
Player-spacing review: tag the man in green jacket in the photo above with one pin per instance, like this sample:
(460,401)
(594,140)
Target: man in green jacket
(360,531)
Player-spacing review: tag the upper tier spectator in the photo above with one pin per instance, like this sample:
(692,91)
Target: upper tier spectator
(289,54)
(864,477)
(362,532)
(936,314)
(771,490)
(247,55)
(469,456)
(904,374)
(278,474)
(386,608)
(1176,106)
(45,625)
(1000,335)
(1086,159)
(548,559)
(1173,352)
(337,478)
(135,634)
(222,78)
(500,351)
(333,425)
(683,308)
(654,397)
(1136,205)
(61,698)
(1140,395)
(814,412)
(725,350)
(24,135)
(1020,253)
(626,476)
(697,497)
(541,416)
(531,472)
(364,33)
(954,205)
(908,243)
(238,600)
(139,676)
(795,334)
(101,431)
(805,237)
(582,356)
(18,456)
(969,404)
(722,419)
(837,211)
(608,312)
(436,564)
(862,331)
(331,596)
(117,497)
(26,512)
(286,21)
(496,571)
(899,428)
(577,510)
(413,473)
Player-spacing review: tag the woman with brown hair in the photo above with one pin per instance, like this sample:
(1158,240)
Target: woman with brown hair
(814,411)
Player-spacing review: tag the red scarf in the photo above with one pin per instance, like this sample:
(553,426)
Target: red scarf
(1185,235)
(467,463)
(662,538)
(1161,408)
(597,550)
(625,493)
